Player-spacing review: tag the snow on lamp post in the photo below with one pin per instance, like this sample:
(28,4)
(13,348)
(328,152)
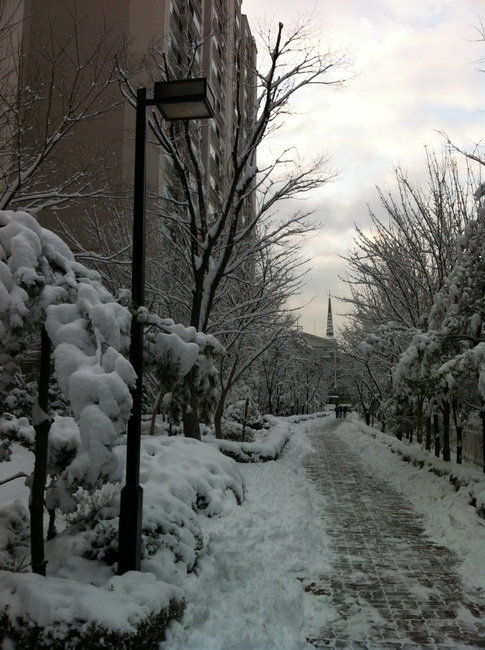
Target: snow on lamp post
(186,99)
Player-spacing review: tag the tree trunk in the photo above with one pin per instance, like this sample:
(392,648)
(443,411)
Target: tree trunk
(218,414)
(42,425)
(482,415)
(419,421)
(459,445)
(427,443)
(436,431)
(270,402)
(459,432)
(51,528)
(191,416)
(446,430)
(246,406)
(156,408)
(398,430)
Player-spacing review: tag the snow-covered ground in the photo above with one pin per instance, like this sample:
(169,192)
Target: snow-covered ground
(448,517)
(247,592)
(247,595)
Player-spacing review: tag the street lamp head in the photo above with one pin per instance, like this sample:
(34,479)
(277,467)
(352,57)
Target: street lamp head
(186,99)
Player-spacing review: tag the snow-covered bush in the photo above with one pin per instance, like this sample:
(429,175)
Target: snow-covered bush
(232,430)
(243,409)
(130,611)
(20,393)
(267,445)
(181,477)
(82,603)
(14,429)
(14,537)
(180,357)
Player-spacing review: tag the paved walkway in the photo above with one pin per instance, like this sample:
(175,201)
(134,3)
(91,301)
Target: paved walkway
(392,586)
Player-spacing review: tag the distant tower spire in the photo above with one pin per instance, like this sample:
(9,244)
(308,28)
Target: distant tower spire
(330,333)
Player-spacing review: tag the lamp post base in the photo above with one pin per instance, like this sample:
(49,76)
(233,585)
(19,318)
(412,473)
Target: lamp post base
(129,538)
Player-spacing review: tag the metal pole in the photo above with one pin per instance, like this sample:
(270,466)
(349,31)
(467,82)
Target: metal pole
(39,477)
(131,504)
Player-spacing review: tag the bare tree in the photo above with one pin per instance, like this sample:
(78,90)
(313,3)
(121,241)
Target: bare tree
(475,153)
(218,230)
(395,271)
(293,378)
(51,84)
(254,316)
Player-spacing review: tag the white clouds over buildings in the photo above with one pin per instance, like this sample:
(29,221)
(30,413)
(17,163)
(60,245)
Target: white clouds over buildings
(414,72)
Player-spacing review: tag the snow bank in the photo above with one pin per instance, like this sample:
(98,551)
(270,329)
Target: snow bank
(295,419)
(61,606)
(460,475)
(267,446)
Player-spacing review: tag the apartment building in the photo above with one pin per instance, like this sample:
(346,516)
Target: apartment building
(226,55)
(206,38)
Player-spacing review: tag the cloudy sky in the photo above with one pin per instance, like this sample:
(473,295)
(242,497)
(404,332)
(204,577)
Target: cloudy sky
(414,70)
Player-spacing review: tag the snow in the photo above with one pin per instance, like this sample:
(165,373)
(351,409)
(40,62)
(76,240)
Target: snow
(247,176)
(256,532)
(22,461)
(180,478)
(247,594)
(448,516)
(172,349)
(268,445)
(120,606)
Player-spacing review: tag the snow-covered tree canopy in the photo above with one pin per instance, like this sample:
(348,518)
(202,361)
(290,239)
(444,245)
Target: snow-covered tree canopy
(398,271)
(452,350)
(41,284)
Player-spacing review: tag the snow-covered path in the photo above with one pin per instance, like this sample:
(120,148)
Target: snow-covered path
(390,584)
(248,593)
(323,553)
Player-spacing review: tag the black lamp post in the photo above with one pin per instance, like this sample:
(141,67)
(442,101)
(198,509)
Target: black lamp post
(176,100)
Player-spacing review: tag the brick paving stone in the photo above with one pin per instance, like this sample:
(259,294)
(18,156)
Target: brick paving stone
(384,571)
